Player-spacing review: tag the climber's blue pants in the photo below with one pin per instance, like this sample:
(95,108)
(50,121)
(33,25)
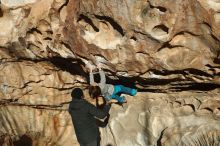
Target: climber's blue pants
(122,89)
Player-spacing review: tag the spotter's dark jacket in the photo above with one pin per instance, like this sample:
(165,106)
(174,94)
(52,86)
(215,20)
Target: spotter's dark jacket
(83,116)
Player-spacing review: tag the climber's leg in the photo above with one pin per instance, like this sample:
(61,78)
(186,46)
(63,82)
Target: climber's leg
(120,99)
(125,90)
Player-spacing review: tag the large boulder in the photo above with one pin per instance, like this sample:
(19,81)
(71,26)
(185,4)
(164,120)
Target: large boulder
(168,50)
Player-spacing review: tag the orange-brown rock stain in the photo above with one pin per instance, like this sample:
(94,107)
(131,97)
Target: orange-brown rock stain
(56,123)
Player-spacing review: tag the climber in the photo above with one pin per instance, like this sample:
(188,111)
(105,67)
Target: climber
(109,91)
(83,116)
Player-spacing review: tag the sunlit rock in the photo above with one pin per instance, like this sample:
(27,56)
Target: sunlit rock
(169,50)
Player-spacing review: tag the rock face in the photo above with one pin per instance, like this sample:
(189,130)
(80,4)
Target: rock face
(169,50)
(165,119)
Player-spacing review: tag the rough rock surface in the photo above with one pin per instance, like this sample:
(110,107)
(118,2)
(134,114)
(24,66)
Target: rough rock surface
(169,50)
